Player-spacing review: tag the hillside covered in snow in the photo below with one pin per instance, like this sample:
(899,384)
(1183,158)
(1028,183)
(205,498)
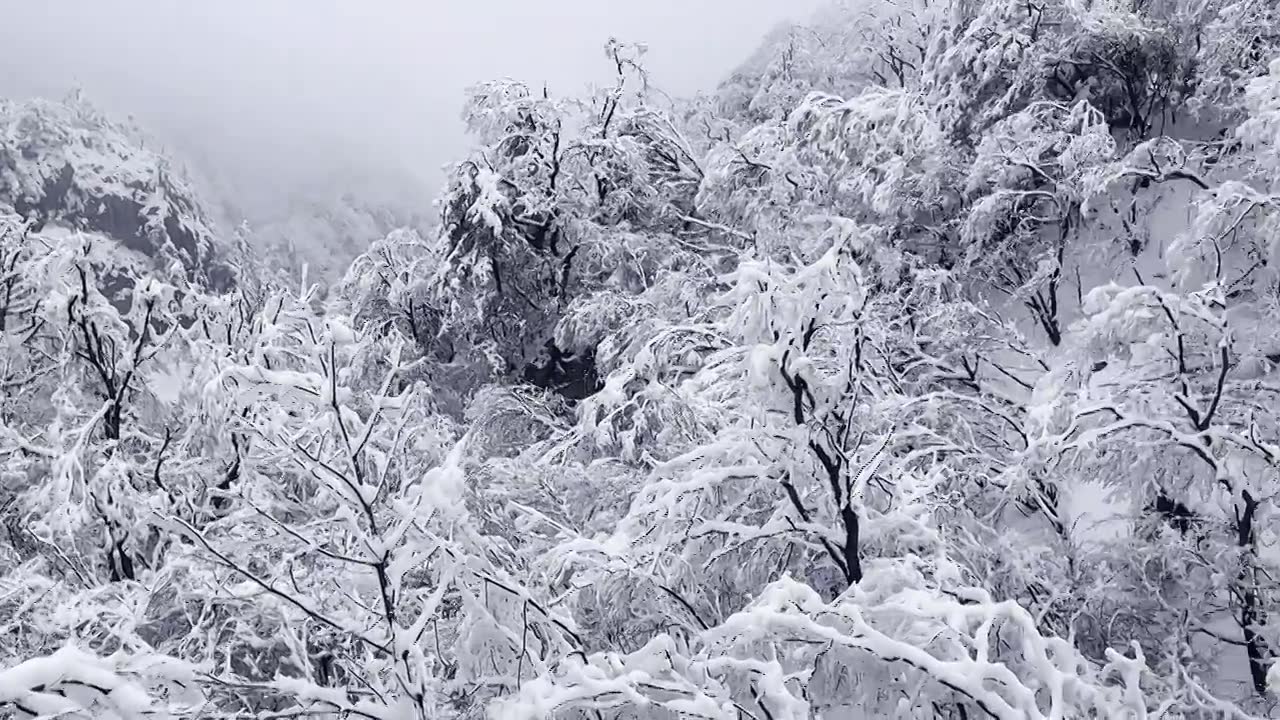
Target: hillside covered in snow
(65,164)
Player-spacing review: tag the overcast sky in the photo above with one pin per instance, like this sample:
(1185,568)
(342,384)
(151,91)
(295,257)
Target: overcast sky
(273,94)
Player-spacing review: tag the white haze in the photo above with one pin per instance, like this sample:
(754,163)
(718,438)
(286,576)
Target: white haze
(273,100)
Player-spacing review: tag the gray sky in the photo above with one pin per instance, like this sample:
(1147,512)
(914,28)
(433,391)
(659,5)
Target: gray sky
(272,95)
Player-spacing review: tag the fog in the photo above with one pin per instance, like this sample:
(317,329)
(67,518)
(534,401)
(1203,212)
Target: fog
(268,99)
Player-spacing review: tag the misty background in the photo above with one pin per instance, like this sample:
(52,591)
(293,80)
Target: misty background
(270,102)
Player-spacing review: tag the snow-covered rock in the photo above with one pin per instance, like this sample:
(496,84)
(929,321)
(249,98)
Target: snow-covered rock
(66,164)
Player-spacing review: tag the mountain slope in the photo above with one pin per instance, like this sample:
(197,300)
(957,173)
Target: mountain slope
(65,163)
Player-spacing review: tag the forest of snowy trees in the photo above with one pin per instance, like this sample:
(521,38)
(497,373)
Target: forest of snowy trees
(928,368)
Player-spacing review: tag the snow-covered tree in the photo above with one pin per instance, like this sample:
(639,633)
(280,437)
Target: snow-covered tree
(925,369)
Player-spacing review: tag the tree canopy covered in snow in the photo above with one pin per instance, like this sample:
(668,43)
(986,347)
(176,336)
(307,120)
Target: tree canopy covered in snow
(928,368)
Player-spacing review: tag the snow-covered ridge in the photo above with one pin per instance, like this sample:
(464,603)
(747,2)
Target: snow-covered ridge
(66,163)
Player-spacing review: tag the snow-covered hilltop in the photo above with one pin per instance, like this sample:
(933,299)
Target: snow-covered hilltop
(66,164)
